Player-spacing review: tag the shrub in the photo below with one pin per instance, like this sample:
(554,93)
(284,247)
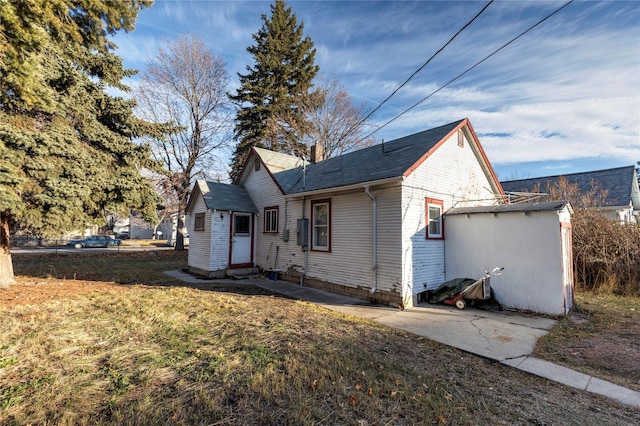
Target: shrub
(606,254)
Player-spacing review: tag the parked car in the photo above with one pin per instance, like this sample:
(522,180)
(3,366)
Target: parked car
(95,241)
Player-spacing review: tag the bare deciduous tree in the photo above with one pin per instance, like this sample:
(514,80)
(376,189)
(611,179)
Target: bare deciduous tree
(335,121)
(185,87)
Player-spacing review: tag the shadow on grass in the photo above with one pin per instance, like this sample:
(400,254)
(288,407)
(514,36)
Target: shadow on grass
(124,268)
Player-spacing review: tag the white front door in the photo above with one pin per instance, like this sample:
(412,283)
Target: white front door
(241,235)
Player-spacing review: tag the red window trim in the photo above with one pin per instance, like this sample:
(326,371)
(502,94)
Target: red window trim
(264,222)
(313,204)
(439,203)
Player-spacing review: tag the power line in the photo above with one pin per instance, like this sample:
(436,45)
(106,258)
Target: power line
(472,67)
(427,62)
(361,121)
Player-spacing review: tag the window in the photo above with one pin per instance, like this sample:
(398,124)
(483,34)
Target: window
(256,165)
(241,224)
(198,222)
(434,219)
(271,219)
(321,225)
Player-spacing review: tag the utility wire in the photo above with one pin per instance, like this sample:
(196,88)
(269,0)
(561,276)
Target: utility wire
(472,67)
(426,63)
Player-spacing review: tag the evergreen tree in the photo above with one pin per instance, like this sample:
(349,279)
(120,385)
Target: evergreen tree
(66,146)
(271,94)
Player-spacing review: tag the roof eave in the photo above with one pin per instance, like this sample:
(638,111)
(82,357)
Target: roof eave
(345,188)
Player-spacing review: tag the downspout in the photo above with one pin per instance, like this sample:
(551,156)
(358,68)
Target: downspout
(305,248)
(374,206)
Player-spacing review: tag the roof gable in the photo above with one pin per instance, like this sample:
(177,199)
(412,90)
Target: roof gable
(222,196)
(620,183)
(378,162)
(394,159)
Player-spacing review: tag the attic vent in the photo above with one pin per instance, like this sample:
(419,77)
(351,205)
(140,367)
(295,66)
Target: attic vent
(460,138)
(398,149)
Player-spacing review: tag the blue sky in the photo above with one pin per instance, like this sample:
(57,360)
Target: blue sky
(564,98)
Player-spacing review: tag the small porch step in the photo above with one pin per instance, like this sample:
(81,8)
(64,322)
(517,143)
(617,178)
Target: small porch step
(243,273)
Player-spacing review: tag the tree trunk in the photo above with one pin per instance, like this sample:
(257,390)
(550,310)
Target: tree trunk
(180,233)
(6,265)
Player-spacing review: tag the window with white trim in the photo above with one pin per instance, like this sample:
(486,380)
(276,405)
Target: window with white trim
(321,225)
(271,219)
(434,209)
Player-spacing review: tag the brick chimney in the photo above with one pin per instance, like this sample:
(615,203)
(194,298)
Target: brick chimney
(317,153)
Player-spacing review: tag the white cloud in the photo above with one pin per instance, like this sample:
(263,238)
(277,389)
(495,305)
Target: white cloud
(569,89)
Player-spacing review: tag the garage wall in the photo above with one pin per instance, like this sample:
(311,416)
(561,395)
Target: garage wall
(529,247)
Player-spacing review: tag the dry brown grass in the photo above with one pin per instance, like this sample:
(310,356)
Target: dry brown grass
(152,354)
(601,338)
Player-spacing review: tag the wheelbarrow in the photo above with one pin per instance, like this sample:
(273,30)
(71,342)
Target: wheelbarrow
(459,291)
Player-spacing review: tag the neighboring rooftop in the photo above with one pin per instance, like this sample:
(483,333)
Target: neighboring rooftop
(621,184)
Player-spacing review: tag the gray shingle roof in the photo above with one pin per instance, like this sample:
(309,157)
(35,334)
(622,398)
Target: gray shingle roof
(384,161)
(511,208)
(617,182)
(222,196)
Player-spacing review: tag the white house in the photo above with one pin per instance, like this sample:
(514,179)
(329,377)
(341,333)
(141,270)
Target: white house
(369,223)
(531,240)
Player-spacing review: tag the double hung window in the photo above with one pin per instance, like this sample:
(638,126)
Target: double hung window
(321,225)
(435,225)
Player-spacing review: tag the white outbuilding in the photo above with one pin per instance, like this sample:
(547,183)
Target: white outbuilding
(532,241)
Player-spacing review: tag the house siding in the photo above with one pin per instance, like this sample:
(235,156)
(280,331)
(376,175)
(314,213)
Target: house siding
(200,241)
(268,246)
(209,249)
(452,174)
(350,262)
(219,250)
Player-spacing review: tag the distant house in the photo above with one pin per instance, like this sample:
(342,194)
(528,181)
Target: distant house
(621,185)
(369,223)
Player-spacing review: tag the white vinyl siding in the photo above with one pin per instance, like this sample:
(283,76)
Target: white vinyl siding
(350,262)
(219,250)
(199,253)
(452,174)
(265,194)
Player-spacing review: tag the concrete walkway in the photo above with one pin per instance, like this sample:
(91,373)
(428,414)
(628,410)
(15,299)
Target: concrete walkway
(507,337)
